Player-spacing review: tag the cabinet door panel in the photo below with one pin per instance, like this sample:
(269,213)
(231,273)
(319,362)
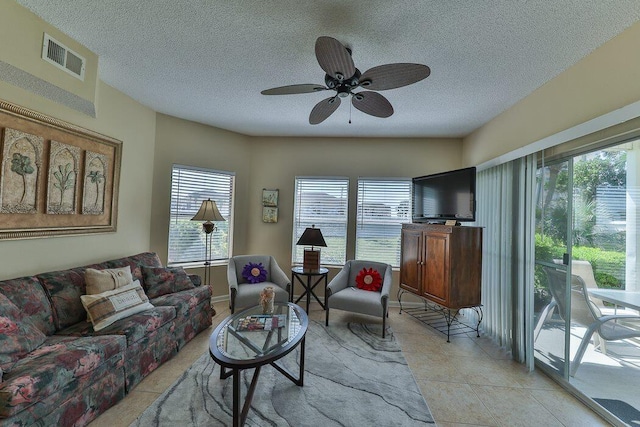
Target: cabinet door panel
(410,261)
(435,279)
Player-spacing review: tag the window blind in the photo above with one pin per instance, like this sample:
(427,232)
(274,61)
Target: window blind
(322,202)
(384,204)
(189,187)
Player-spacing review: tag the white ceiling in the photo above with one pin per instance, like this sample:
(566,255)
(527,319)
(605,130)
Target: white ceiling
(208,60)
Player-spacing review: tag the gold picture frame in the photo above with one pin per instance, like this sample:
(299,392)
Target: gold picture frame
(56,178)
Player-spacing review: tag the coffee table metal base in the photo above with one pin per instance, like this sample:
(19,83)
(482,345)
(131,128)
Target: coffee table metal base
(239,418)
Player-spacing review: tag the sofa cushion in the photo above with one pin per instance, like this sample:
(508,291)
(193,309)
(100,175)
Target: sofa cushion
(65,288)
(107,307)
(160,281)
(149,259)
(18,335)
(184,301)
(99,281)
(62,363)
(28,294)
(134,327)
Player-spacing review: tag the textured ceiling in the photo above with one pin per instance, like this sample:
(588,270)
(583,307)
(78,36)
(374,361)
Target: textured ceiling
(208,60)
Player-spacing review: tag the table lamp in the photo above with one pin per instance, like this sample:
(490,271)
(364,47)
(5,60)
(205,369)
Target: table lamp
(311,237)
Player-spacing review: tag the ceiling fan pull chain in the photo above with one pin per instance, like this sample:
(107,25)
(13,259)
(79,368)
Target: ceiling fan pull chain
(350,112)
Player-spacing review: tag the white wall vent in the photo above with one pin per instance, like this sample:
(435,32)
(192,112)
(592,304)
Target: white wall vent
(62,57)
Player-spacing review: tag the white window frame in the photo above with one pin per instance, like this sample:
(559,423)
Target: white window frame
(333,228)
(191,185)
(380,213)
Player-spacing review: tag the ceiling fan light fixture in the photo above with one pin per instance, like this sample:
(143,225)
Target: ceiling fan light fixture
(333,56)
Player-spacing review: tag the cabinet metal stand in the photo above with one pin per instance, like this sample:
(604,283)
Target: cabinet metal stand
(442,319)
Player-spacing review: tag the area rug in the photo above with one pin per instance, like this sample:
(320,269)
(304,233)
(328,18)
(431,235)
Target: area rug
(353,377)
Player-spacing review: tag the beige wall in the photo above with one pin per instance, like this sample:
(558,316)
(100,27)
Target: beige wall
(119,117)
(607,79)
(188,143)
(21,33)
(274,163)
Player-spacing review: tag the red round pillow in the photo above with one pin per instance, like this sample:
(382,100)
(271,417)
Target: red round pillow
(369,280)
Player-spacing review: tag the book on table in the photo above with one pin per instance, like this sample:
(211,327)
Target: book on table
(261,322)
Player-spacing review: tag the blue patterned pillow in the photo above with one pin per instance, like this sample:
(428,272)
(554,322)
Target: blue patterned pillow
(254,273)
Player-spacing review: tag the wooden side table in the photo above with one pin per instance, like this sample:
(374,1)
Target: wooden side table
(305,278)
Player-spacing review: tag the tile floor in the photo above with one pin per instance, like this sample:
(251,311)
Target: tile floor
(468,382)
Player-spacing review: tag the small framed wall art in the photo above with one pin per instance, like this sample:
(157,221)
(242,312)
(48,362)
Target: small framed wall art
(270,198)
(269,214)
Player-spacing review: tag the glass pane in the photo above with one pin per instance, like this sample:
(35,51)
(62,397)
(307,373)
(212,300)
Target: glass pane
(606,203)
(550,290)
(189,188)
(323,203)
(383,206)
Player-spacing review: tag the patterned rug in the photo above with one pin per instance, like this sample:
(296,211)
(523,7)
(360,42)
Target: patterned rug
(352,377)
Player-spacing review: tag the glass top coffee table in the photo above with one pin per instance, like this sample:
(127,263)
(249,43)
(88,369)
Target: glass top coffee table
(249,339)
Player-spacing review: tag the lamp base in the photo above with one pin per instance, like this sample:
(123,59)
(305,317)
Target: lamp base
(311,260)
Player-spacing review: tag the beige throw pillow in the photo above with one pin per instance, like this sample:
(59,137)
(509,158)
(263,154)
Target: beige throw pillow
(99,281)
(107,307)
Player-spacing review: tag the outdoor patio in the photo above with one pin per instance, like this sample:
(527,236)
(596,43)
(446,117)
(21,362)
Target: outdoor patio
(610,379)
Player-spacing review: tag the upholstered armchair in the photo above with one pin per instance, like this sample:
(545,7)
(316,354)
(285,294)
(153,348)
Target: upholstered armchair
(259,271)
(362,287)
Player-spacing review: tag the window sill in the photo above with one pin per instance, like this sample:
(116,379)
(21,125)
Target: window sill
(199,264)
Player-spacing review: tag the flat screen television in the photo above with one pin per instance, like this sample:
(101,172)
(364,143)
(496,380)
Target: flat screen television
(445,196)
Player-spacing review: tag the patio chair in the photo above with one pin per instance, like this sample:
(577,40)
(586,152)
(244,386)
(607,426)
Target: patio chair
(584,270)
(245,291)
(585,313)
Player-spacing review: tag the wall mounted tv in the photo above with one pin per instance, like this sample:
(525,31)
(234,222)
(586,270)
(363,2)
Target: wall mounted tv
(445,196)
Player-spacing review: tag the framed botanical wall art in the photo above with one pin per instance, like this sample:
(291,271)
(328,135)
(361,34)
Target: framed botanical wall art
(269,214)
(21,166)
(55,178)
(270,198)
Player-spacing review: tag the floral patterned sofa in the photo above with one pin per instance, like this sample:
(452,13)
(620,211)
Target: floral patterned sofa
(58,370)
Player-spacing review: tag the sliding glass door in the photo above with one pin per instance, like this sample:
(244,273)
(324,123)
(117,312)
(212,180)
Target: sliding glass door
(587,294)
(551,299)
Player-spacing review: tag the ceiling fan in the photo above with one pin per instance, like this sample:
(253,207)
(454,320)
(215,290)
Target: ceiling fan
(343,77)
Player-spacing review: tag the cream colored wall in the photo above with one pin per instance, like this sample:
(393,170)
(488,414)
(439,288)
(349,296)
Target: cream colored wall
(119,117)
(188,143)
(607,79)
(22,34)
(275,162)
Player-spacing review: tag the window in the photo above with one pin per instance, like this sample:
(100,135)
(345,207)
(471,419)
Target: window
(189,187)
(384,204)
(322,202)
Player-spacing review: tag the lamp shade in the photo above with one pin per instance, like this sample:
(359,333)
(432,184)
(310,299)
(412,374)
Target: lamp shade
(311,237)
(208,212)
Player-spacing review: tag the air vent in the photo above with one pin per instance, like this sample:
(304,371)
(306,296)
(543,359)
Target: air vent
(62,57)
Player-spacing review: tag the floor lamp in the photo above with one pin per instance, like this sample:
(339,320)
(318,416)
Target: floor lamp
(208,212)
